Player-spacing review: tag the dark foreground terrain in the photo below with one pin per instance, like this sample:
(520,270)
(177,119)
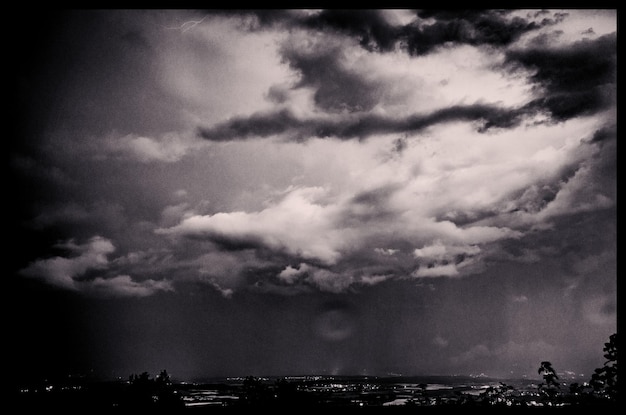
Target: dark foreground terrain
(404,394)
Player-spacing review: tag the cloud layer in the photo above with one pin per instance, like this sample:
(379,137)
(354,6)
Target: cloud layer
(357,147)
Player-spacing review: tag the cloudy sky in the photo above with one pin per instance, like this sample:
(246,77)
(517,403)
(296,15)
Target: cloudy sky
(279,192)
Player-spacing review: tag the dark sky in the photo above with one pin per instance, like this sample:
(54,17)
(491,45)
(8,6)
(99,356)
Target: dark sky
(283,192)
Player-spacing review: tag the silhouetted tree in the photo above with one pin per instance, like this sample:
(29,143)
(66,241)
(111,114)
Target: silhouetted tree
(497,395)
(549,387)
(604,379)
(139,393)
(163,378)
(146,393)
(601,388)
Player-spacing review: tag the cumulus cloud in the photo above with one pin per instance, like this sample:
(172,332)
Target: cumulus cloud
(374,279)
(309,227)
(327,280)
(326,234)
(301,224)
(92,256)
(440,260)
(439,252)
(290,274)
(63,272)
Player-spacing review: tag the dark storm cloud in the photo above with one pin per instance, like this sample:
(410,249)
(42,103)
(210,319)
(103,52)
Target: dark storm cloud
(259,124)
(577,80)
(604,134)
(471,27)
(376,33)
(264,17)
(336,87)
(369,26)
(232,243)
(546,39)
(358,126)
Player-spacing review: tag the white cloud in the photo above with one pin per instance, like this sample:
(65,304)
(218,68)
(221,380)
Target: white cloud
(448,270)
(327,280)
(301,224)
(439,260)
(167,148)
(458,169)
(386,251)
(374,279)
(66,272)
(62,272)
(577,195)
(217,70)
(330,281)
(404,85)
(321,278)
(125,286)
(439,251)
(290,274)
(577,23)
(464,75)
